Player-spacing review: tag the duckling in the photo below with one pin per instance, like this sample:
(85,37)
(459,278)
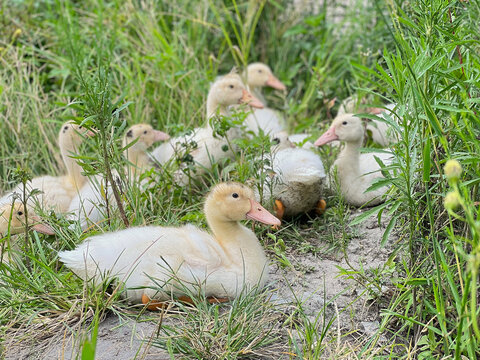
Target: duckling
(86,206)
(57,191)
(226,91)
(297,179)
(268,120)
(152,261)
(12,216)
(381,133)
(137,156)
(356,172)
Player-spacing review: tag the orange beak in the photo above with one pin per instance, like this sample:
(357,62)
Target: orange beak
(40,227)
(273,82)
(160,136)
(327,137)
(250,100)
(259,213)
(375,110)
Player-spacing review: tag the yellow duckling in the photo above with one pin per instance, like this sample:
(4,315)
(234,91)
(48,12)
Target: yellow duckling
(222,262)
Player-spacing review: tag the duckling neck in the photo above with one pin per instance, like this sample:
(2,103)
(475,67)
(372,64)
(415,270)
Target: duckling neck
(237,241)
(139,159)
(348,161)
(74,171)
(213,105)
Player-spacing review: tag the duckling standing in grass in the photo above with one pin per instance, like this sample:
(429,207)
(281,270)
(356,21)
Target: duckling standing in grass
(158,263)
(86,206)
(226,91)
(56,192)
(268,120)
(296,183)
(356,172)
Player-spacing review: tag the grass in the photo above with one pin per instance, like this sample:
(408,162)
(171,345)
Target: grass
(111,64)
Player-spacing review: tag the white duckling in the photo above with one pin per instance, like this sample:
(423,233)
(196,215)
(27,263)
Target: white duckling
(297,179)
(226,91)
(56,192)
(381,133)
(270,121)
(13,219)
(356,172)
(151,261)
(88,205)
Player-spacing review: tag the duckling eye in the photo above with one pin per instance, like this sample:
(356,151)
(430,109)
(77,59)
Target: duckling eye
(259,71)
(80,127)
(231,86)
(344,123)
(276,141)
(235,195)
(65,128)
(145,132)
(19,213)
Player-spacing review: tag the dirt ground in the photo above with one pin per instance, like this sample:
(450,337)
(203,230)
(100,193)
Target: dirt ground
(320,284)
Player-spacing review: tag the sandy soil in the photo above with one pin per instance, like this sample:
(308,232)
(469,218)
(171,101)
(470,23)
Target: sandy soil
(319,285)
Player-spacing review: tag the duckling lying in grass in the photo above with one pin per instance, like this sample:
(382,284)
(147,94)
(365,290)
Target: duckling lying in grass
(296,183)
(87,206)
(268,120)
(226,91)
(13,220)
(152,261)
(56,192)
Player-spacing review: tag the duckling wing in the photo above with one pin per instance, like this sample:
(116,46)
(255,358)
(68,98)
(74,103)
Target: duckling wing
(145,251)
(298,165)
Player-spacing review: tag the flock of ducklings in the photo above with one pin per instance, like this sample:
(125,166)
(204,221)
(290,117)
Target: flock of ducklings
(156,263)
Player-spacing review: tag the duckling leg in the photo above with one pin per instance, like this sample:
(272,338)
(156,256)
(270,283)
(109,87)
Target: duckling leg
(321,206)
(279,209)
(215,300)
(153,305)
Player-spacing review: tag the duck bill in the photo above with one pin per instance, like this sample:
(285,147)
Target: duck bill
(375,110)
(273,82)
(251,100)
(40,227)
(259,213)
(160,136)
(327,137)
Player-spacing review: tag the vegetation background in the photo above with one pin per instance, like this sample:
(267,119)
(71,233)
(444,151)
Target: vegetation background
(153,62)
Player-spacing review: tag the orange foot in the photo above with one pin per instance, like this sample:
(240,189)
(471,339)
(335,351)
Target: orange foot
(321,206)
(279,209)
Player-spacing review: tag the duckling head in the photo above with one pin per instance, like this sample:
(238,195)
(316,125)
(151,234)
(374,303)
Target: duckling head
(232,202)
(260,75)
(71,135)
(347,127)
(17,221)
(280,141)
(230,90)
(146,136)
